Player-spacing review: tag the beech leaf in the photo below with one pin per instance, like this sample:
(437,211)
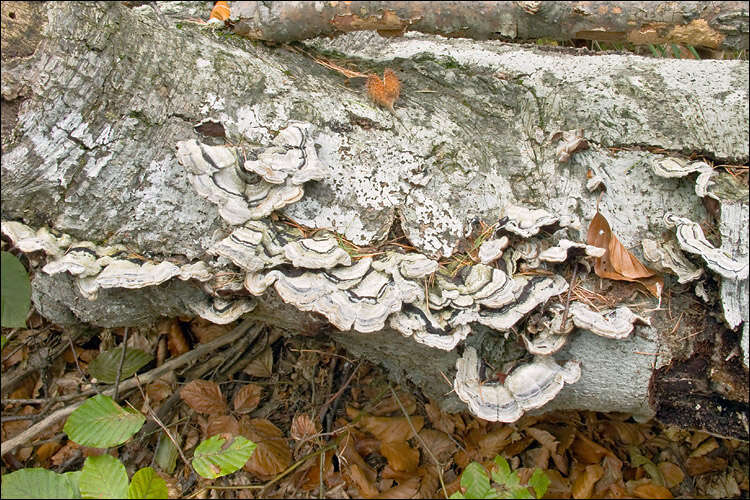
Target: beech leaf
(204,397)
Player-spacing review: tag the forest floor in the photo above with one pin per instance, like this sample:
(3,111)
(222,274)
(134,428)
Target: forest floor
(301,398)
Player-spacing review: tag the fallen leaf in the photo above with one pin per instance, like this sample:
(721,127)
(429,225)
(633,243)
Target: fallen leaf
(302,427)
(544,438)
(356,478)
(405,489)
(705,448)
(311,477)
(220,11)
(439,443)
(439,419)
(390,428)
(272,455)
(401,457)
(204,397)
(652,491)
(587,451)
(700,465)
(671,473)
(428,487)
(262,365)
(583,486)
(559,486)
(222,424)
(47,450)
(158,390)
(205,331)
(389,405)
(247,398)
(176,341)
(618,263)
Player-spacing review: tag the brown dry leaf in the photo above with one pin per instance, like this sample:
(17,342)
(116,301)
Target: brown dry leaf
(17,356)
(26,389)
(652,491)
(302,427)
(47,450)
(390,428)
(491,443)
(389,405)
(247,398)
(514,449)
(612,474)
(405,489)
(439,419)
(220,11)
(428,487)
(544,438)
(697,438)
(272,455)
(618,263)
(366,446)
(16,427)
(705,448)
(262,366)
(588,451)
(537,457)
(700,465)
(158,390)
(559,486)
(626,432)
(356,478)
(616,491)
(671,473)
(439,443)
(204,397)
(192,438)
(583,486)
(401,457)
(176,341)
(222,424)
(65,453)
(311,477)
(205,331)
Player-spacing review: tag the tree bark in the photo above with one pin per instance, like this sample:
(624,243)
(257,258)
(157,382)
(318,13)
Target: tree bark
(93,110)
(712,25)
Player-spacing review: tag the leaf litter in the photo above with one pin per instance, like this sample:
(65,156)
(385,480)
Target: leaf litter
(370,442)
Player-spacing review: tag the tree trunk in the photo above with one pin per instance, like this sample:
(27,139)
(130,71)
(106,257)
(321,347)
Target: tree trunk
(101,101)
(712,25)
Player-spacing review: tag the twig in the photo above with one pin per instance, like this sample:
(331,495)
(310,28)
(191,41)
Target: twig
(438,465)
(342,388)
(159,422)
(122,362)
(10,445)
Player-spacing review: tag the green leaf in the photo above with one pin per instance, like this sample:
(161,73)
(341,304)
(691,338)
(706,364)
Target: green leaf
(513,481)
(100,422)
(638,460)
(147,484)
(457,494)
(694,52)
(103,477)
(540,482)
(3,340)
(104,367)
(166,453)
(211,461)
(675,51)
(15,292)
(74,478)
(653,50)
(521,493)
(36,483)
(501,472)
(475,482)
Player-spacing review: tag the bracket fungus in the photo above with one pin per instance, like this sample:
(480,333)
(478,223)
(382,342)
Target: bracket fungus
(669,256)
(614,324)
(251,185)
(528,387)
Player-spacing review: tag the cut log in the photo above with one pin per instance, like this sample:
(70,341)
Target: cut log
(123,137)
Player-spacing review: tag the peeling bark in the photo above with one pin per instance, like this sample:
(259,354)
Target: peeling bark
(106,94)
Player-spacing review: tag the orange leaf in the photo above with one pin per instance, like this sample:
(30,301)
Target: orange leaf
(303,427)
(401,457)
(220,11)
(584,483)
(204,397)
(405,489)
(390,428)
(355,477)
(618,263)
(652,491)
(272,455)
(261,366)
